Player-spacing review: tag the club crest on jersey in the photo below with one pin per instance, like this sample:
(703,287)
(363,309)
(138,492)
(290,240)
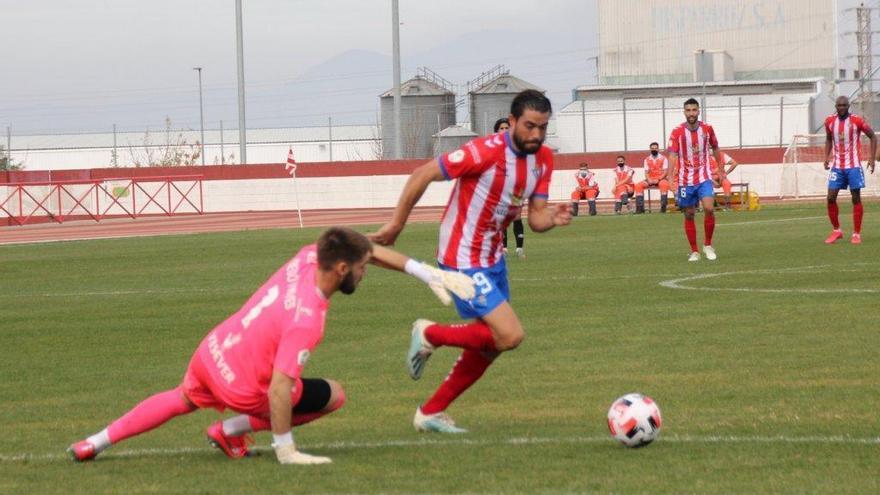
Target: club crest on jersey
(537,171)
(456,156)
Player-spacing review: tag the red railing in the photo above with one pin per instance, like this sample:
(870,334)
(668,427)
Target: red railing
(83,199)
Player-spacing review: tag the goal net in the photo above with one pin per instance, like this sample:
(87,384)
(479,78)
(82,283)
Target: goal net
(803,173)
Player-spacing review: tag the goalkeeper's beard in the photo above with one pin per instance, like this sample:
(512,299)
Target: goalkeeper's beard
(349,284)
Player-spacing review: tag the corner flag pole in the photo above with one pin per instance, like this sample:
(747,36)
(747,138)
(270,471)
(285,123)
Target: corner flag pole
(291,168)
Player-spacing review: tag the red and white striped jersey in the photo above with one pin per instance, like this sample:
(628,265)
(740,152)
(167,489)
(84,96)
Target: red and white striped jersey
(655,168)
(585,179)
(693,148)
(493,183)
(845,136)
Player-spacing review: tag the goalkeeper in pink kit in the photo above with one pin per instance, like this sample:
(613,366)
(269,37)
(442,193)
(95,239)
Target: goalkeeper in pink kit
(252,363)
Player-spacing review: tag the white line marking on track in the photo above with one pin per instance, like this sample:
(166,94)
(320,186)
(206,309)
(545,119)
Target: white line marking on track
(342,445)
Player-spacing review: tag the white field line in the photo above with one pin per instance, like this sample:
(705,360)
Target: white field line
(679,439)
(681,283)
(779,220)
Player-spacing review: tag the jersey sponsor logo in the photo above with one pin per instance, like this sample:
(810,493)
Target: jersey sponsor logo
(302,357)
(475,153)
(456,156)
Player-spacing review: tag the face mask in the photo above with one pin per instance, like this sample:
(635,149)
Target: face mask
(655,153)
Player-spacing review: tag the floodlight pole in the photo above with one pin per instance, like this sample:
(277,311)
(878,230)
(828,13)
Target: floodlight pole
(201,115)
(239,51)
(395,35)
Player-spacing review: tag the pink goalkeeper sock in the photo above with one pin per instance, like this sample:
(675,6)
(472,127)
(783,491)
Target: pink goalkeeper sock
(150,413)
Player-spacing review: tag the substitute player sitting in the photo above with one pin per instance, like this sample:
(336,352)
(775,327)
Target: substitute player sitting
(623,185)
(725,184)
(252,363)
(587,188)
(656,167)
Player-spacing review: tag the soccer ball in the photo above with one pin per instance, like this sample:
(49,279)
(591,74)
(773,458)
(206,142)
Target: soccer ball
(635,420)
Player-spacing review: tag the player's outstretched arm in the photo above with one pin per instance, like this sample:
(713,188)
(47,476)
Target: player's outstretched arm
(441,282)
(415,186)
(829,144)
(873,137)
(280,412)
(543,217)
(672,171)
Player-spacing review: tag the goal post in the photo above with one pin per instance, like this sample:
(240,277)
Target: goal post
(803,172)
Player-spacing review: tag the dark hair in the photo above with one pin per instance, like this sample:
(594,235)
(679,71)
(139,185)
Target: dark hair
(531,99)
(341,244)
(691,101)
(655,143)
(621,156)
(499,122)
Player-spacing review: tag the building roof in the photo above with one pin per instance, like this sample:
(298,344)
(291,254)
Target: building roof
(504,84)
(456,131)
(418,86)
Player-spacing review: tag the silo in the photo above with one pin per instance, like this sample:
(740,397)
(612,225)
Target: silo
(427,107)
(491,94)
(452,138)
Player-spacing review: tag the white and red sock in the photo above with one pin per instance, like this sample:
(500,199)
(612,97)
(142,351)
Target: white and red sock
(708,228)
(690,229)
(476,336)
(858,213)
(467,370)
(834,215)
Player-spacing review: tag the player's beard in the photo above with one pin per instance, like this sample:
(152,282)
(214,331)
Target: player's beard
(349,284)
(528,147)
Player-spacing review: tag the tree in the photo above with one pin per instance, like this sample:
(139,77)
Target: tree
(174,152)
(6,163)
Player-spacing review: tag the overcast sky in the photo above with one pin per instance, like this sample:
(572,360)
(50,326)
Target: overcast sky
(85,65)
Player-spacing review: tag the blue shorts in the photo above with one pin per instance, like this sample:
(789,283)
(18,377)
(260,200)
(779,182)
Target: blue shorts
(691,195)
(492,290)
(840,178)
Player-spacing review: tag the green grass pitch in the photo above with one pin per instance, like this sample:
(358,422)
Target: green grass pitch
(764,363)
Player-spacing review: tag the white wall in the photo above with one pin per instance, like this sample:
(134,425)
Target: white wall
(382,191)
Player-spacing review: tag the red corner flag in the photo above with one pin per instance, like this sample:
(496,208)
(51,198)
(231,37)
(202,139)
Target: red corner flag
(291,163)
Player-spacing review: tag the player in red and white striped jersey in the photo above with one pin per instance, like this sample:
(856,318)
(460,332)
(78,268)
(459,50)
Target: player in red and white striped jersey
(843,155)
(690,145)
(495,174)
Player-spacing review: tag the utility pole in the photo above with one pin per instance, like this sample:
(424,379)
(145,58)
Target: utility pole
(201,116)
(865,59)
(395,38)
(239,51)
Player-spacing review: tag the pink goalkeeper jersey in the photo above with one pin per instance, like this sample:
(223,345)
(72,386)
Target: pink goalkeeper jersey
(845,136)
(493,183)
(693,148)
(275,330)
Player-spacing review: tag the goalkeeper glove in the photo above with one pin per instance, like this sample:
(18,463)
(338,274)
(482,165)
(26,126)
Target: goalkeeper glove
(287,454)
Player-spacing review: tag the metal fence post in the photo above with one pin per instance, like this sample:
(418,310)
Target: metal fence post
(9,146)
(781,99)
(330,136)
(625,146)
(222,150)
(663,111)
(584,123)
(740,111)
(115,155)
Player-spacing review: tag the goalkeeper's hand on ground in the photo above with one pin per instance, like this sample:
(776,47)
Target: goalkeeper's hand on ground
(445,282)
(287,454)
